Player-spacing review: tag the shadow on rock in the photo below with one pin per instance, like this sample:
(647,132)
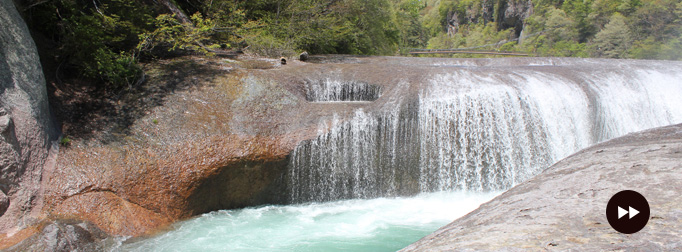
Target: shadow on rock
(98,112)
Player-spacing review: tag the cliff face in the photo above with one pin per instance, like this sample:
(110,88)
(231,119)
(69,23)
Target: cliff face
(27,132)
(507,14)
(513,14)
(563,207)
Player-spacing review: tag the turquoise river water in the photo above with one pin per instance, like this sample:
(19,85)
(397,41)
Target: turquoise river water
(383,224)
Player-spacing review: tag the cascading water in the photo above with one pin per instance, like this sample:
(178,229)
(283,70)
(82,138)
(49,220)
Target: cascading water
(473,130)
(376,144)
(636,101)
(482,137)
(455,139)
(382,147)
(336,90)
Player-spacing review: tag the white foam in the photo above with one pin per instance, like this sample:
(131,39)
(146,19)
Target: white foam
(357,224)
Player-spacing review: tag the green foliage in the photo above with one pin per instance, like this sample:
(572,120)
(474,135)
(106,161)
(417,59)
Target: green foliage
(507,47)
(117,69)
(560,36)
(579,11)
(93,38)
(478,35)
(409,23)
(268,45)
(614,40)
(445,41)
(104,40)
(559,26)
(170,31)
(326,26)
(573,28)
(281,27)
(64,141)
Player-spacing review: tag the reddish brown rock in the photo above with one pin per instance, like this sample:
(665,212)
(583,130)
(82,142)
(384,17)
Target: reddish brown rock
(110,212)
(61,235)
(198,157)
(221,144)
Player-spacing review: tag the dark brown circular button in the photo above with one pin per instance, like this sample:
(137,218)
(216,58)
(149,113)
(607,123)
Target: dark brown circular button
(627,212)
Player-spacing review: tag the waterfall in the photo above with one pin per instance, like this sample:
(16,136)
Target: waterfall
(474,129)
(640,100)
(365,157)
(337,90)
(483,136)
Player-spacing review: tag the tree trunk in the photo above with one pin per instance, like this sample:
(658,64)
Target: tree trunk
(179,14)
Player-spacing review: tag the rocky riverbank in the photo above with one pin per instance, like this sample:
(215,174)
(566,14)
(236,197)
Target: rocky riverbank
(205,134)
(563,208)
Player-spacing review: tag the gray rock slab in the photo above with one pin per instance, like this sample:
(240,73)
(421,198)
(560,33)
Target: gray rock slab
(27,132)
(563,208)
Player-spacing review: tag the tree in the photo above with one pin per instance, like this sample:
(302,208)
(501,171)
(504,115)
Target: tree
(92,39)
(409,23)
(559,26)
(194,36)
(614,40)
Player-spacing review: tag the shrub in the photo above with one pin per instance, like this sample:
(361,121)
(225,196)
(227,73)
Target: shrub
(64,141)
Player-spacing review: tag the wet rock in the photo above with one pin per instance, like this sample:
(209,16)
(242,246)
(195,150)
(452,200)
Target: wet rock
(110,212)
(222,146)
(563,207)
(303,56)
(64,235)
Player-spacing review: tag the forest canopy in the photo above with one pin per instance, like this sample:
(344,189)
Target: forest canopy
(640,29)
(105,39)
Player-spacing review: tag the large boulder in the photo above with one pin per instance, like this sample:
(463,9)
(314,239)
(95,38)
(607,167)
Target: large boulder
(563,208)
(26,129)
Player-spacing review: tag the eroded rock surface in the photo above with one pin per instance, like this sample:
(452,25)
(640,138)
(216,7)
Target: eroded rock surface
(564,207)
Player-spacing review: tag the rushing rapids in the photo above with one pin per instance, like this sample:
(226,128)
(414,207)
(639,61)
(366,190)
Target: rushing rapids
(474,127)
(382,224)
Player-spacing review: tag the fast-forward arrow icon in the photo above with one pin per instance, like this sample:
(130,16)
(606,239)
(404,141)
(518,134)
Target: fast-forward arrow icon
(631,211)
(624,203)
